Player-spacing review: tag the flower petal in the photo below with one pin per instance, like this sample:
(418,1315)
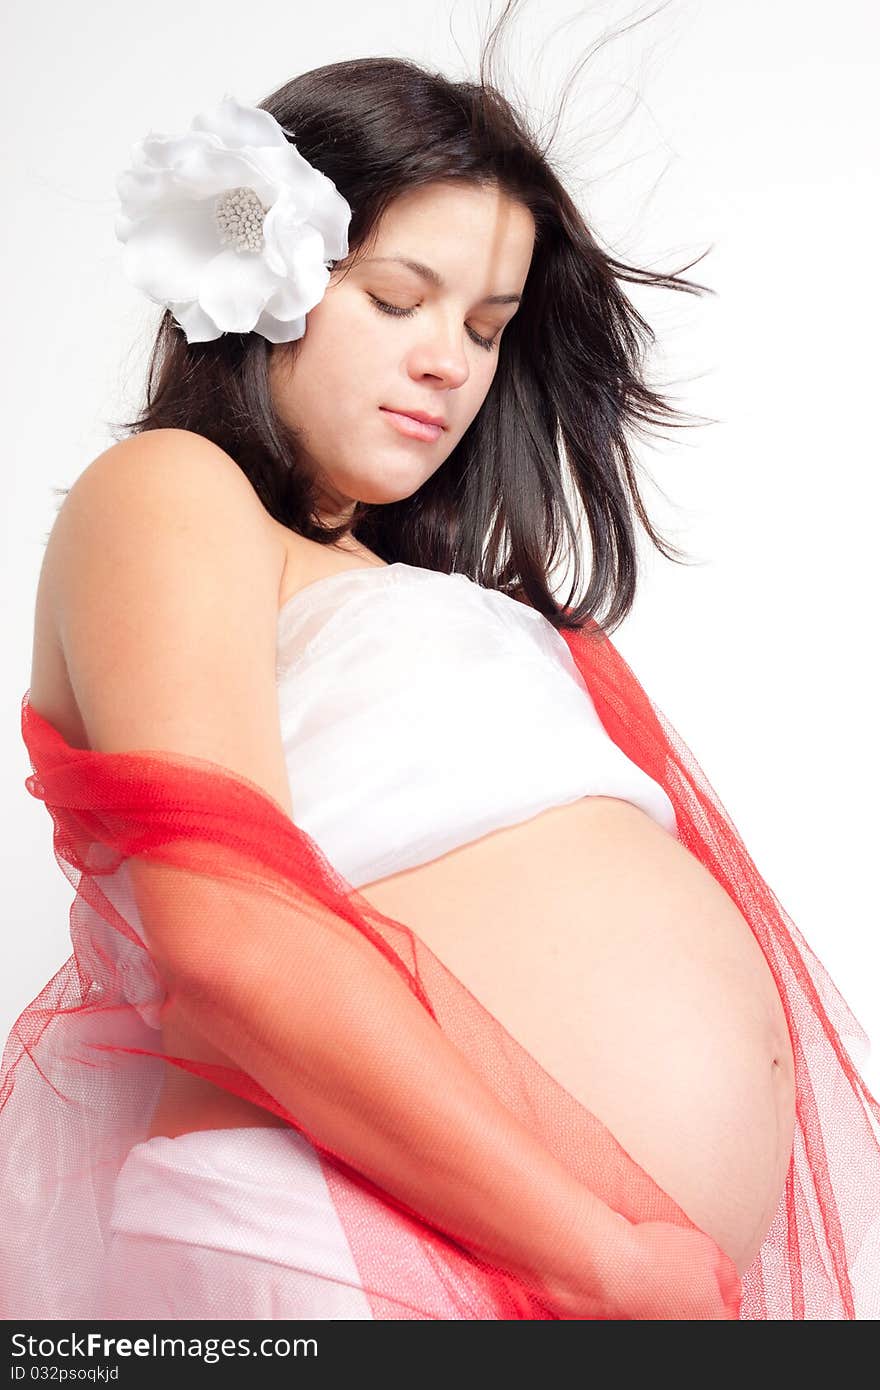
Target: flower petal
(234,288)
(280,330)
(201,168)
(331,214)
(239,125)
(165,255)
(299,291)
(294,244)
(291,175)
(196,324)
(140,190)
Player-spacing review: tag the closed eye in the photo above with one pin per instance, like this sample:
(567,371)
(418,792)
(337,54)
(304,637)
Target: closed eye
(398,312)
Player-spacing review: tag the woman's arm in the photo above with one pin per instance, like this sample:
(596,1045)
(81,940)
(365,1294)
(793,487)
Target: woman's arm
(326,1025)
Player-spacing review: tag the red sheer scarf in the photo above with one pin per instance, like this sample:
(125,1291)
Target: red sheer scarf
(82,1065)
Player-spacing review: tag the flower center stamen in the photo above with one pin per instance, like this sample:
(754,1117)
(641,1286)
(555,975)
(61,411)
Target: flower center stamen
(239,216)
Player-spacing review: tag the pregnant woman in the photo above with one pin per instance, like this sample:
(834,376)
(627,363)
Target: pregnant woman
(417,970)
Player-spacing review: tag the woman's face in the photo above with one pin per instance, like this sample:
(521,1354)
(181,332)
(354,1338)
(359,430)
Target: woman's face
(358,362)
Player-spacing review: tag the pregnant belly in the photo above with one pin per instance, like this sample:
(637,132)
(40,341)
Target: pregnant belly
(615,958)
(609,953)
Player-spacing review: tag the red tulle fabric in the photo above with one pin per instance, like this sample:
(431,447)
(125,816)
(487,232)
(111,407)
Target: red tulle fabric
(82,1065)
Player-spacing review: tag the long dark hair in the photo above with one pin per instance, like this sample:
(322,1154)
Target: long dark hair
(570,386)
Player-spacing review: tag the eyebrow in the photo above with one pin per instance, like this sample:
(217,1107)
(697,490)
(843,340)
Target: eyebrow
(426,273)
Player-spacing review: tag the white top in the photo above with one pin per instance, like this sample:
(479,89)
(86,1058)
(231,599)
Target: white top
(420,711)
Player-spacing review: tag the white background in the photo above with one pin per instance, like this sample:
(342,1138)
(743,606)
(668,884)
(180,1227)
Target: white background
(748,127)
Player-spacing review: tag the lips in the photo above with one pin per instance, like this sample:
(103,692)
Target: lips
(412,427)
(422,415)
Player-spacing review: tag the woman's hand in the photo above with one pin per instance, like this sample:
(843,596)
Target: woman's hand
(655,1270)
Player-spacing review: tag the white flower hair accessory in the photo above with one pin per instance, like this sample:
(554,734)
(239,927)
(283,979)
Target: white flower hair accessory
(229,226)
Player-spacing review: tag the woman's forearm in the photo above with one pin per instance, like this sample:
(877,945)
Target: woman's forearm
(324,1023)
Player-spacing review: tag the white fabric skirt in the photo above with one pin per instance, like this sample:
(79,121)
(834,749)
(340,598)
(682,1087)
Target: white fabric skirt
(227,1223)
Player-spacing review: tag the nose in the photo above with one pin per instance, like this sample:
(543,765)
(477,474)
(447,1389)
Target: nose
(440,354)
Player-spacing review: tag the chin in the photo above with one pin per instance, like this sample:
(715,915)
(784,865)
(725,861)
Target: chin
(380,497)
(378,491)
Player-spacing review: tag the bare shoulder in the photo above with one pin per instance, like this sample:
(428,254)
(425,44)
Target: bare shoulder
(145,498)
(163,575)
(167,466)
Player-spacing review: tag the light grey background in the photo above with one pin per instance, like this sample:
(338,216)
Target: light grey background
(743,125)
